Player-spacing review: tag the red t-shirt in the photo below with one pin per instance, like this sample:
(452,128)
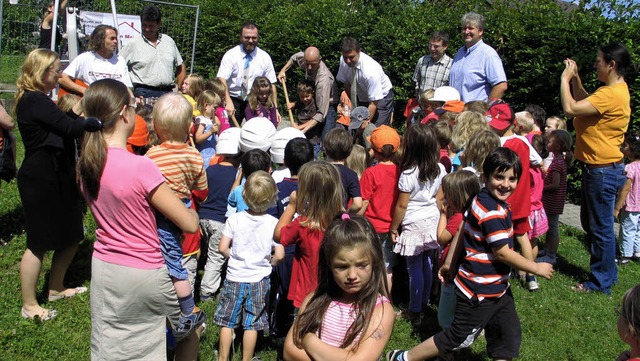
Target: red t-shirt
(379,186)
(304,273)
(520,200)
(452,227)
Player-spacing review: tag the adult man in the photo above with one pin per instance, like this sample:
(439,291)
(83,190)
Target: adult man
(100,62)
(240,66)
(153,58)
(433,71)
(326,95)
(477,71)
(365,82)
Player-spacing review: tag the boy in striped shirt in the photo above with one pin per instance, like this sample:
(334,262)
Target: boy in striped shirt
(484,300)
(183,169)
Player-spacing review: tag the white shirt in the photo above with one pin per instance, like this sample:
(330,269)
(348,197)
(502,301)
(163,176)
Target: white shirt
(232,68)
(280,174)
(373,84)
(422,196)
(90,66)
(251,245)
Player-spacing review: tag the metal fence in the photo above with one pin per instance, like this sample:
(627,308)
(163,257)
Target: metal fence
(20,31)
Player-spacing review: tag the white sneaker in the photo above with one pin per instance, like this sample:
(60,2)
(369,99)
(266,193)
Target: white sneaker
(532,285)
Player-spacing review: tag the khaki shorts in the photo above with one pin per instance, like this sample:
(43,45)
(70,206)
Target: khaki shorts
(129,311)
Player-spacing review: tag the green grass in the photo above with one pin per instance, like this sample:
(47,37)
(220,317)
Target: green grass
(557,324)
(9,67)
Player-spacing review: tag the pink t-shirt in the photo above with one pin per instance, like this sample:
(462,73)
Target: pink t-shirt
(633,198)
(127,234)
(537,185)
(221,113)
(337,320)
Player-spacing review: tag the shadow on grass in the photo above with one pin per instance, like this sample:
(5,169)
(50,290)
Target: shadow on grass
(11,223)
(571,270)
(79,271)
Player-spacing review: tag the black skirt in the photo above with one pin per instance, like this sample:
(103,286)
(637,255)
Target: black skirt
(51,200)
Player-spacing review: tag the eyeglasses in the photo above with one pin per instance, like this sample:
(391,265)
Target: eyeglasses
(56,72)
(134,105)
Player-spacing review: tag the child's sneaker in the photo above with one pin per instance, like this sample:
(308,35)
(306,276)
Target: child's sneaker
(188,323)
(623,261)
(532,283)
(395,355)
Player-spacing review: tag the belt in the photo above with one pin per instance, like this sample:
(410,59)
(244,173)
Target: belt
(605,165)
(164,87)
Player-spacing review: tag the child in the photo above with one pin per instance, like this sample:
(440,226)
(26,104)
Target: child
(483,297)
(183,170)
(417,211)
(480,145)
(554,193)
(537,216)
(337,148)
(379,185)
(358,160)
(554,122)
(629,201)
(443,134)
(307,111)
(247,241)
(218,87)
(207,125)
(424,109)
(192,86)
(278,146)
(458,188)
(212,212)
(500,118)
(297,153)
(252,161)
(524,125)
(349,314)
(260,101)
(477,106)
(317,201)
(468,123)
(629,324)
(538,114)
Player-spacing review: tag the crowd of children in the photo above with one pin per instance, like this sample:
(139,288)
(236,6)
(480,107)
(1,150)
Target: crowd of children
(308,248)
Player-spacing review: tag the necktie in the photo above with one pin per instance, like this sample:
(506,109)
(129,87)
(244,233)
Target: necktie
(244,90)
(354,88)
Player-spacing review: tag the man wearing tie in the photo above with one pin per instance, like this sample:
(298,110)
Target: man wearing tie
(240,65)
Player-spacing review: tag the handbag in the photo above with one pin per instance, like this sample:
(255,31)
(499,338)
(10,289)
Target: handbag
(8,169)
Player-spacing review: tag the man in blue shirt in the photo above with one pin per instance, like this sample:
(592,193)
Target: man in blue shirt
(477,71)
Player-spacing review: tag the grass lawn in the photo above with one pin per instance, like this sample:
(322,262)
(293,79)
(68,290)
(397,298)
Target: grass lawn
(557,323)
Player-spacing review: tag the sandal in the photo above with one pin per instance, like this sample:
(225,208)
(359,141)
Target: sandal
(68,293)
(45,316)
(580,288)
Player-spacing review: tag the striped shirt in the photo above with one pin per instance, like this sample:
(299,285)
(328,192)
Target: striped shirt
(182,167)
(338,319)
(430,74)
(488,226)
(553,201)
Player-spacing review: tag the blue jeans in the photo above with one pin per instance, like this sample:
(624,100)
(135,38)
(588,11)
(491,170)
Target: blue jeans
(629,233)
(420,269)
(599,190)
(329,120)
(170,245)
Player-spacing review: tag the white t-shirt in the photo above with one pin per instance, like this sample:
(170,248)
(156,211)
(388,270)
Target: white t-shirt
(373,84)
(90,66)
(280,174)
(232,68)
(251,245)
(422,196)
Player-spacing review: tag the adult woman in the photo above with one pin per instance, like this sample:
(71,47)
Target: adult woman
(46,27)
(46,180)
(601,120)
(122,190)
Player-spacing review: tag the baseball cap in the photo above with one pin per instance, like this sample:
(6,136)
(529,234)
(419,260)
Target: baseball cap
(455,106)
(444,94)
(500,115)
(358,116)
(384,135)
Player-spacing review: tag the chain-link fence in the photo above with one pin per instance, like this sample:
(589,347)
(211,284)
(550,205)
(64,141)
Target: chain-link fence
(21,23)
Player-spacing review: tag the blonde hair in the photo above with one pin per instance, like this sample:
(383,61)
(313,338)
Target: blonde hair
(525,121)
(218,87)
(481,144)
(562,123)
(468,123)
(196,87)
(260,191)
(208,97)
(104,99)
(424,98)
(478,106)
(172,117)
(259,83)
(319,194)
(34,67)
(67,101)
(358,160)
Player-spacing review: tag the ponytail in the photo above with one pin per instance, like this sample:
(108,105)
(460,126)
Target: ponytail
(91,163)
